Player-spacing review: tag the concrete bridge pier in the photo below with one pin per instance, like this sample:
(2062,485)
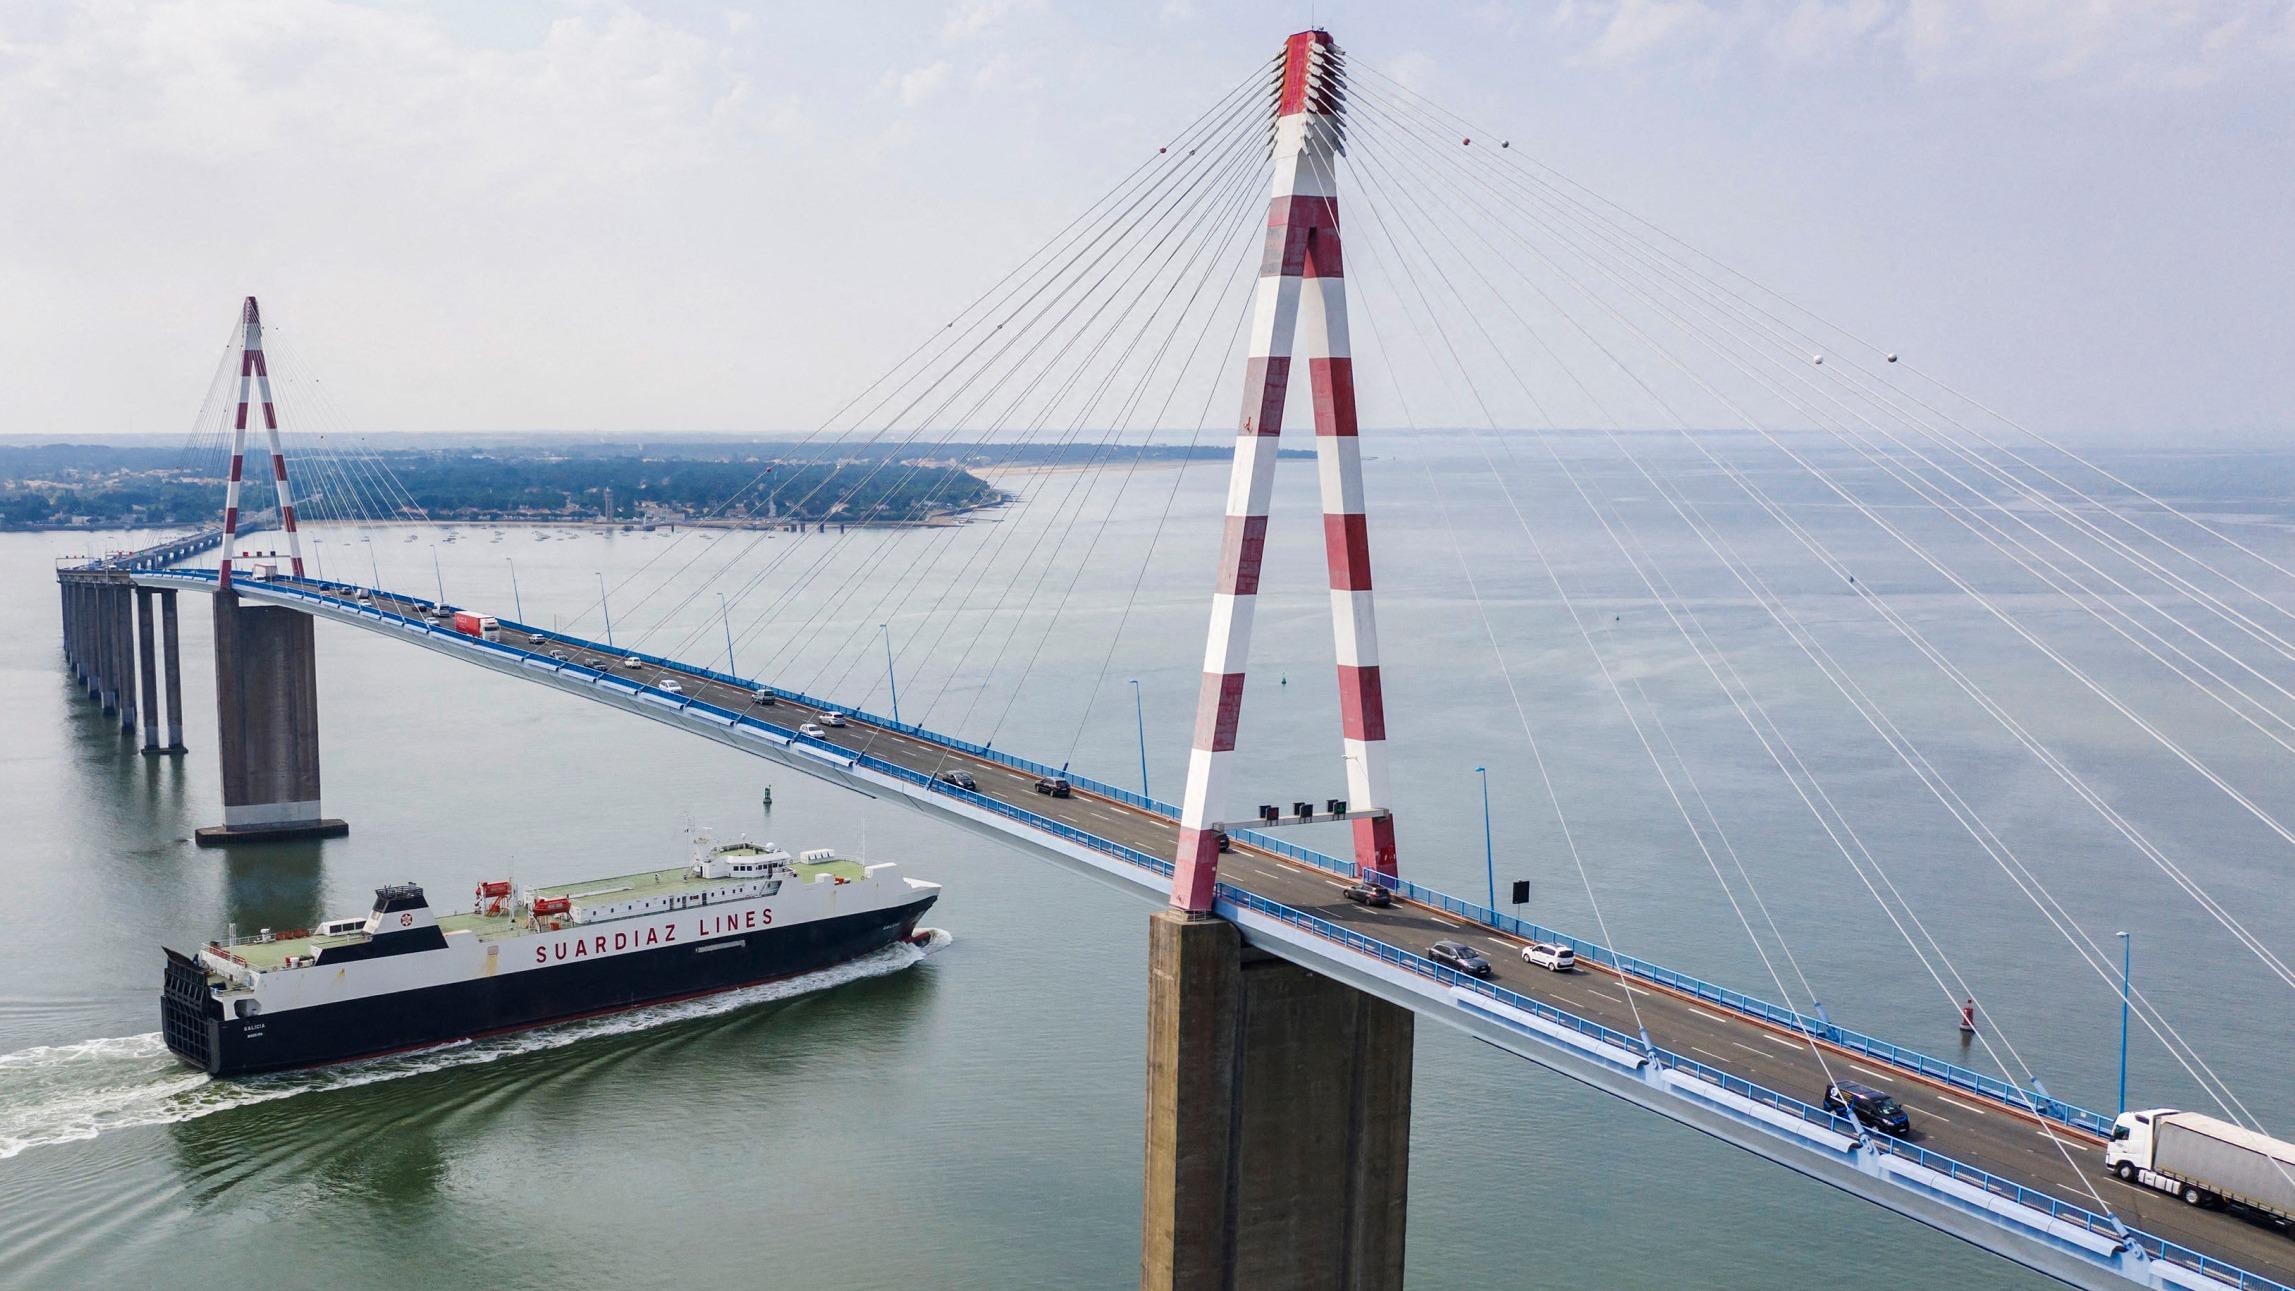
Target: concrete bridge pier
(1278,1121)
(121,613)
(173,654)
(267,725)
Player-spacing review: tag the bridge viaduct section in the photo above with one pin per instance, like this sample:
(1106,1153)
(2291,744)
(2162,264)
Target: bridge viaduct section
(111,644)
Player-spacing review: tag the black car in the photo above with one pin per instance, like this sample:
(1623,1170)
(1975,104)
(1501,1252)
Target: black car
(1369,894)
(1454,954)
(1055,786)
(1868,1106)
(1226,844)
(961,779)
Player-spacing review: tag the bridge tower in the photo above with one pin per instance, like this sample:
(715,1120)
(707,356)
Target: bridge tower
(1278,1109)
(266,660)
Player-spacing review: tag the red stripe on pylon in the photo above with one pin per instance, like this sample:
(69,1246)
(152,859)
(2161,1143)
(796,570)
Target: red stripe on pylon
(1240,555)
(238,467)
(1333,384)
(278,462)
(1362,703)
(1347,550)
(1218,711)
(287,516)
(1195,871)
(1375,838)
(1265,380)
(1296,56)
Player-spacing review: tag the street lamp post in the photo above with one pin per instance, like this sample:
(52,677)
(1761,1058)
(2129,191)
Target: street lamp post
(440,575)
(1489,853)
(517,602)
(727,615)
(2127,959)
(605,609)
(1139,712)
(891,683)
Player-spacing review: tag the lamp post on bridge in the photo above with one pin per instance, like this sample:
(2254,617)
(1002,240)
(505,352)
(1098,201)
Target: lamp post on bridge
(517,602)
(440,575)
(890,682)
(605,609)
(1489,852)
(727,615)
(2127,959)
(1140,713)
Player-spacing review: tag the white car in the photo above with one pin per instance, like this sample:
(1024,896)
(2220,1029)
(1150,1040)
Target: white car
(1551,957)
(813,730)
(633,662)
(669,684)
(832,719)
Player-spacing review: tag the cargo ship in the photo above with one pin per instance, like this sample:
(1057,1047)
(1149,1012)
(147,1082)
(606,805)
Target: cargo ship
(403,976)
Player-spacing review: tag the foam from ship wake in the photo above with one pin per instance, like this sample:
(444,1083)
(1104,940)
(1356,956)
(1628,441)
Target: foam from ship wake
(70,1092)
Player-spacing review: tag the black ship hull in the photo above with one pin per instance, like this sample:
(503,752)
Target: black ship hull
(192,1022)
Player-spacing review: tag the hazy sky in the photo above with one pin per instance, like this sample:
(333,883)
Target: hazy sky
(709,216)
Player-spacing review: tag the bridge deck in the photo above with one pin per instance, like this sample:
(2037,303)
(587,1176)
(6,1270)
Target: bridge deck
(1973,1130)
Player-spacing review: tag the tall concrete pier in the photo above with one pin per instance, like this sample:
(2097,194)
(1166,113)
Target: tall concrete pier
(1278,1121)
(266,725)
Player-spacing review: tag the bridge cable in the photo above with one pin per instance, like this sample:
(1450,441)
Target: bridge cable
(1935,786)
(1523,159)
(1022,272)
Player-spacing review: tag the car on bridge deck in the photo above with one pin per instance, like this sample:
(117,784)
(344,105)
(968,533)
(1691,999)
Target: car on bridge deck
(1054,786)
(1868,1107)
(633,662)
(1552,957)
(670,684)
(1368,894)
(960,779)
(763,698)
(831,718)
(1458,955)
(812,730)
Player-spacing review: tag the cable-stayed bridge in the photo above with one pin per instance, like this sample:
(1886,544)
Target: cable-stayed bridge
(1279,1101)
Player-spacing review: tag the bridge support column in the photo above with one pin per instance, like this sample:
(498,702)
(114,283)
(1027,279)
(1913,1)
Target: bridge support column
(123,625)
(267,725)
(109,624)
(1278,1121)
(91,642)
(147,671)
(169,650)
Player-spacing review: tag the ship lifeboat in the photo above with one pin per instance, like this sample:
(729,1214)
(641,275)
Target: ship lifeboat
(552,905)
(493,896)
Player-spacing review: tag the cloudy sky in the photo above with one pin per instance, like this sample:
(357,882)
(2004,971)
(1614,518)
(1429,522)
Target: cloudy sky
(526,214)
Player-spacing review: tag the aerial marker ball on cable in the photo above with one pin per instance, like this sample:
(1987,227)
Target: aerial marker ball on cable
(1892,358)
(1817,359)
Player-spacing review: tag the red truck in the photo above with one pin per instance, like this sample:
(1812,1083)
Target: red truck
(477,625)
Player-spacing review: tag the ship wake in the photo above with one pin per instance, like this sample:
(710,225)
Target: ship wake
(68,1093)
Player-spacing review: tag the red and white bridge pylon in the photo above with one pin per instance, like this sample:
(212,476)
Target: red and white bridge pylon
(1301,310)
(251,367)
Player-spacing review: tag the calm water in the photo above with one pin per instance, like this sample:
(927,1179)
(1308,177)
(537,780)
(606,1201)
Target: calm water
(971,1117)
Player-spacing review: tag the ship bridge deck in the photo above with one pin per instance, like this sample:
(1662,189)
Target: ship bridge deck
(263,956)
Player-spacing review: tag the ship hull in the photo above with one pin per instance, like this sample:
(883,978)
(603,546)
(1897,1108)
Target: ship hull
(197,1033)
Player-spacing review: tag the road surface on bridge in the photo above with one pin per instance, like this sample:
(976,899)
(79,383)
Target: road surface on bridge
(1989,1137)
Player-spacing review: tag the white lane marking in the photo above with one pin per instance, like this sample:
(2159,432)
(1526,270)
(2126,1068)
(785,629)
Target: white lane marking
(1749,1049)
(1874,1074)
(1935,1115)
(1708,1053)
(1794,1045)
(1966,1107)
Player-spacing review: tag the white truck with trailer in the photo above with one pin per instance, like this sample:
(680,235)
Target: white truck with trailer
(2205,1161)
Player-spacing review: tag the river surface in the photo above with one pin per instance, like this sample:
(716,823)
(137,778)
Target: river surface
(970,1115)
